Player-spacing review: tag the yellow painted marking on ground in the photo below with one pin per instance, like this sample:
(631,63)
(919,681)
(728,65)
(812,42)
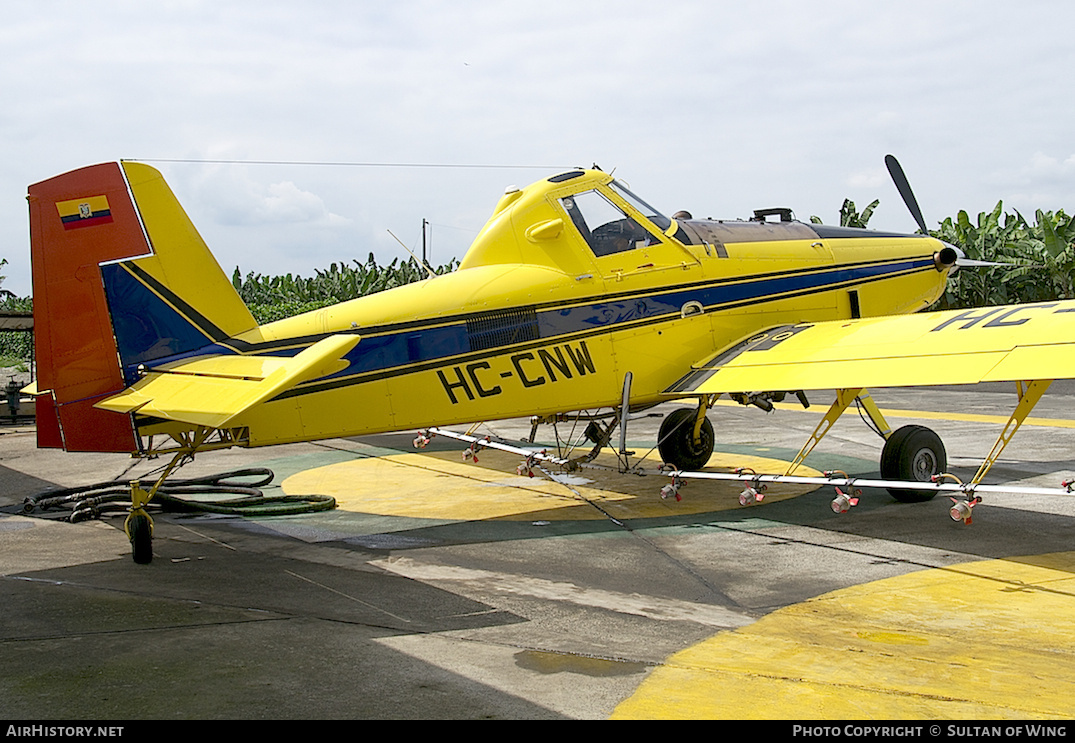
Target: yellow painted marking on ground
(931,415)
(439,486)
(985,640)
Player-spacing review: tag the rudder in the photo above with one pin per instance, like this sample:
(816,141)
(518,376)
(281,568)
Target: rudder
(120,277)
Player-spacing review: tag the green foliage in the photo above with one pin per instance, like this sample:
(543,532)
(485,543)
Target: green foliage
(850,216)
(15,347)
(270,312)
(339,283)
(1043,255)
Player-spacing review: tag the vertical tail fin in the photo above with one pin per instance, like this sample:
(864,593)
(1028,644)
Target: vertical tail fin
(121,277)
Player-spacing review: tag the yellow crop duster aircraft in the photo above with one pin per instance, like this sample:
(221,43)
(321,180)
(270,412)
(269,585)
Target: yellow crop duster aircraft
(576,295)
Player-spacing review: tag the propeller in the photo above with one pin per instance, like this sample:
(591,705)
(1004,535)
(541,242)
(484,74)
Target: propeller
(899,178)
(904,187)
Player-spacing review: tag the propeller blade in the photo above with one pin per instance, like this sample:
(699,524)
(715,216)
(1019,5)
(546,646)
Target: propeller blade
(970,262)
(961,259)
(904,187)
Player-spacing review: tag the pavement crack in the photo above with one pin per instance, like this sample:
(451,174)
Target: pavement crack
(348,596)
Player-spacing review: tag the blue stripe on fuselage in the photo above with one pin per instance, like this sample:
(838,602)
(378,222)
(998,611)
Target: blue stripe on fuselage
(570,320)
(381,351)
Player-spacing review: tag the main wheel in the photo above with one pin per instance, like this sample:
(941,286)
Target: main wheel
(675,441)
(140,531)
(913,453)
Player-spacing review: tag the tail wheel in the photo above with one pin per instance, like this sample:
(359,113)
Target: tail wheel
(140,531)
(676,440)
(913,453)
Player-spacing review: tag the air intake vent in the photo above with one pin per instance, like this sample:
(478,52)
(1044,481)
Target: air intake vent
(495,329)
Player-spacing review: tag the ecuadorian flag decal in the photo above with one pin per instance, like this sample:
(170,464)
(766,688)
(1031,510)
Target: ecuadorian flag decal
(86,212)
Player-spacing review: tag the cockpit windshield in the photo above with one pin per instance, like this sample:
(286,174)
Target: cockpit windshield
(662,222)
(604,226)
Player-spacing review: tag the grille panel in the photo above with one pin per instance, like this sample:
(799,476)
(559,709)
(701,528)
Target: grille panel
(503,328)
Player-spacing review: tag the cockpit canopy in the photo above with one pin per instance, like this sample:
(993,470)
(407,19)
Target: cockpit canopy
(606,228)
(573,220)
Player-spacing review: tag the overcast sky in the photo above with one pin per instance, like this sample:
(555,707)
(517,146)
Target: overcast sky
(715,107)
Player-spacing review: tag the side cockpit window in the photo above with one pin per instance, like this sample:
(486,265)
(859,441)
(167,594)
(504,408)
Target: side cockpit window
(604,226)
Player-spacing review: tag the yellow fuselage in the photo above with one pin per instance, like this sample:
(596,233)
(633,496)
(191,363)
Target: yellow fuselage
(536,322)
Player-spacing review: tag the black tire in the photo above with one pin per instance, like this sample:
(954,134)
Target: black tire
(675,444)
(913,453)
(141,534)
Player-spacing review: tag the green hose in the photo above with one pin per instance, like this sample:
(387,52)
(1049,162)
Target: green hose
(91,501)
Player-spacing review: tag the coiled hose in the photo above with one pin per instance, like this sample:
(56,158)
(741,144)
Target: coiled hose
(91,501)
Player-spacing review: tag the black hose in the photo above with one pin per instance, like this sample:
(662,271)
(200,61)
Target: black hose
(91,501)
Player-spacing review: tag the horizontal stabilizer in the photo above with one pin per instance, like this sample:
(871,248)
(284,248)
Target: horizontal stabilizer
(986,344)
(214,391)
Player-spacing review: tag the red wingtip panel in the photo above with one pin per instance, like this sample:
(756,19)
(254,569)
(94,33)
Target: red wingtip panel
(77,221)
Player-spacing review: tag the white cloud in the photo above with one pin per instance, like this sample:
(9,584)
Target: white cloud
(231,196)
(286,202)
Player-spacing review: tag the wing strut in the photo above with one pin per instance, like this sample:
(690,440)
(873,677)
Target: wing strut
(844,398)
(1029,394)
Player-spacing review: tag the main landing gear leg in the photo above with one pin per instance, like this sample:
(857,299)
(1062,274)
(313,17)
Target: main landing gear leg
(874,412)
(910,453)
(686,438)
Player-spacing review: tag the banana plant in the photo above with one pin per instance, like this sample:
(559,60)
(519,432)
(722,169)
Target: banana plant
(1042,257)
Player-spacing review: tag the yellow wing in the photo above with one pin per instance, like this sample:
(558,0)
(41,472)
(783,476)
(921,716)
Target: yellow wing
(212,391)
(989,344)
